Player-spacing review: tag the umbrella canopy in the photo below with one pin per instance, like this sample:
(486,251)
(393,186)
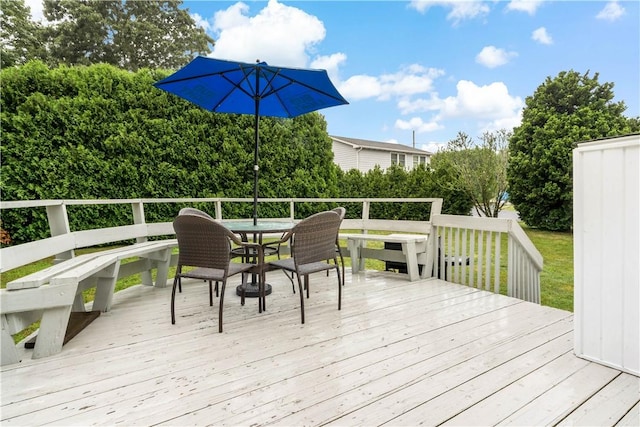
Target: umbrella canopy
(259,89)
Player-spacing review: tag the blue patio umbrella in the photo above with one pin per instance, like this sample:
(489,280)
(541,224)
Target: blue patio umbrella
(259,89)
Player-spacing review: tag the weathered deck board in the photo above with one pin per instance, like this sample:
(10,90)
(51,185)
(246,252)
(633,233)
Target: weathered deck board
(398,353)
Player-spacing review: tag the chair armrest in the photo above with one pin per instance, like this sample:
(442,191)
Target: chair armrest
(284,238)
(257,246)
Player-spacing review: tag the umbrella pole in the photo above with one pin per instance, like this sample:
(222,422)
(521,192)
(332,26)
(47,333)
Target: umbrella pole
(255,165)
(256,138)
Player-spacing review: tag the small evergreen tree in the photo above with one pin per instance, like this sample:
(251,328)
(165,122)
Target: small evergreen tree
(563,111)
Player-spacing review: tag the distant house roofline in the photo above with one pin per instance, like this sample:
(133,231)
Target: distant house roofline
(381,146)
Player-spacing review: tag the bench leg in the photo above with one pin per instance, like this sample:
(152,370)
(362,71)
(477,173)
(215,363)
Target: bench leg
(409,251)
(9,353)
(162,270)
(105,287)
(427,267)
(52,330)
(357,263)
(147,278)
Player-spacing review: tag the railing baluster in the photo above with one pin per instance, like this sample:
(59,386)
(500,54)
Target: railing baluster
(496,262)
(480,258)
(464,267)
(456,256)
(472,260)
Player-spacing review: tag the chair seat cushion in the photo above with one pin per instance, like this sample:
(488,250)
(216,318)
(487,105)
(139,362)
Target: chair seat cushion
(313,267)
(216,273)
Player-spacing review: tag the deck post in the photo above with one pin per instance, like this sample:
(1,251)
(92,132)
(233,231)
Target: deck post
(58,225)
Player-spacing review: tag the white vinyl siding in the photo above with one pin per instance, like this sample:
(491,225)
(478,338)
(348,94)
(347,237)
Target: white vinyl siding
(606,226)
(344,156)
(350,156)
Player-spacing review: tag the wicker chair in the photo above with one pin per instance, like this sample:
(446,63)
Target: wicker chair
(194,211)
(206,245)
(248,254)
(341,213)
(313,246)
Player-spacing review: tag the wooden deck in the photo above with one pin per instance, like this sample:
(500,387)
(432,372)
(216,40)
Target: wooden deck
(398,353)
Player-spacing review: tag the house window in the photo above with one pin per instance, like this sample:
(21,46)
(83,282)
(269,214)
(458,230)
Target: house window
(416,161)
(397,159)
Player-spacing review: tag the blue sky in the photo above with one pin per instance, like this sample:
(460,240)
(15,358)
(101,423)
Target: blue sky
(433,67)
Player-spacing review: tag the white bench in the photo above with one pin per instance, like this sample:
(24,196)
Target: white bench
(51,294)
(415,251)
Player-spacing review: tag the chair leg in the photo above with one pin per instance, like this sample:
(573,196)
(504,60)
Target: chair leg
(224,282)
(301,299)
(211,293)
(176,283)
(342,264)
(340,285)
(262,300)
(306,284)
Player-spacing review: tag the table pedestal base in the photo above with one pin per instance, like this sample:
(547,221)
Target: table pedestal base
(251,290)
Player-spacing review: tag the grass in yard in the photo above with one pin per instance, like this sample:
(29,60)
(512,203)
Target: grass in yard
(556,279)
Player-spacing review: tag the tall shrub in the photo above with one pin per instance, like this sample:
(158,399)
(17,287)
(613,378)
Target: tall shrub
(563,111)
(100,132)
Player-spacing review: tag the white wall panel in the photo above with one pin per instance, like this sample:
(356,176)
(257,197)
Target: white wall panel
(607,252)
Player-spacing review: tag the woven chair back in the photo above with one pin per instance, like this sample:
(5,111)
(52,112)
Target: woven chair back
(202,242)
(314,238)
(340,211)
(194,211)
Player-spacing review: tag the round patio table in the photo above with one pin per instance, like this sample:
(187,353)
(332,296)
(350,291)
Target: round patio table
(245,228)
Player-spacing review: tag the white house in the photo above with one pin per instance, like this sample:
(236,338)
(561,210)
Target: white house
(364,155)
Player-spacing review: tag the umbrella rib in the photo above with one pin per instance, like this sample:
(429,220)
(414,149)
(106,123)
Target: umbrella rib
(237,86)
(292,81)
(199,76)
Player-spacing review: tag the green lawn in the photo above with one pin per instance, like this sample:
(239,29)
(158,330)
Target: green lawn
(556,280)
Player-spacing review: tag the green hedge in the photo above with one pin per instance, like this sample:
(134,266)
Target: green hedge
(98,132)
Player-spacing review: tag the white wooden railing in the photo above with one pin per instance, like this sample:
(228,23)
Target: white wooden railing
(63,240)
(479,239)
(473,255)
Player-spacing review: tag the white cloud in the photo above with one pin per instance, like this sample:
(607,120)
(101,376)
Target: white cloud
(541,36)
(528,6)
(408,105)
(490,106)
(331,63)
(489,102)
(507,123)
(360,87)
(268,36)
(411,80)
(492,57)
(460,10)
(418,125)
(433,146)
(202,22)
(611,12)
